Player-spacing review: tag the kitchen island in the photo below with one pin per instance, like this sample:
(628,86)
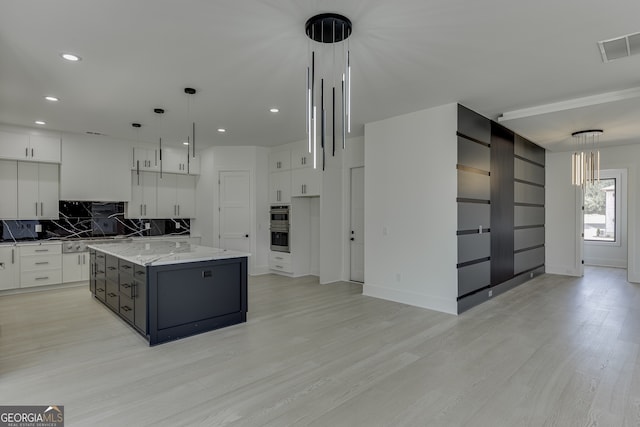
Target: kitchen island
(168,290)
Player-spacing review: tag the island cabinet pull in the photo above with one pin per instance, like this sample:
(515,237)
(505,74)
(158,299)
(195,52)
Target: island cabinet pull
(207,273)
(126,266)
(134,290)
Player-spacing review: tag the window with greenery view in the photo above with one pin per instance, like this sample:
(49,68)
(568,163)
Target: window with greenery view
(600,211)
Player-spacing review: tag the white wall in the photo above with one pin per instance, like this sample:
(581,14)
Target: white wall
(411,211)
(331,219)
(563,250)
(561,218)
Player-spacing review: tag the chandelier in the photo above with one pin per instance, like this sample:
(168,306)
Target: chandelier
(327,71)
(585,161)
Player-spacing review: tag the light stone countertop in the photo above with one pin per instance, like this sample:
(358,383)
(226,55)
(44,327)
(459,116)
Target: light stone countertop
(163,252)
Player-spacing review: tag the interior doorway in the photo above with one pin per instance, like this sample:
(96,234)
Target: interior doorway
(356,242)
(603,221)
(234,198)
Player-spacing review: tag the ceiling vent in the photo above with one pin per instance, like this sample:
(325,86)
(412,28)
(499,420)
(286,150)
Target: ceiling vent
(620,47)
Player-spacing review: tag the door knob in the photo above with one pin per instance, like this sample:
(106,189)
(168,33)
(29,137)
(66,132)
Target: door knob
(246,235)
(352,239)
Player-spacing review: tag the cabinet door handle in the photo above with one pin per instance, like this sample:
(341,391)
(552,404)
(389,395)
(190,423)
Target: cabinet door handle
(36,208)
(145,209)
(26,151)
(79,259)
(32,152)
(41,208)
(13,256)
(140,209)
(178,210)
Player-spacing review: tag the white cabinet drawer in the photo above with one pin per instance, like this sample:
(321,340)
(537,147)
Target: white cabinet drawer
(280,261)
(285,267)
(280,257)
(40,278)
(53,248)
(40,262)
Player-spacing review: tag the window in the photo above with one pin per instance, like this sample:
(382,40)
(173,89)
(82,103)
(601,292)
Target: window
(600,210)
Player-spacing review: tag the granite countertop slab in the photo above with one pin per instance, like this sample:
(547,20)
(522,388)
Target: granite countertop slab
(164,252)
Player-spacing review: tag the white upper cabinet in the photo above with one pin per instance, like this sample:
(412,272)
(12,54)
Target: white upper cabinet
(38,190)
(179,160)
(301,158)
(280,187)
(305,182)
(176,196)
(280,161)
(146,159)
(9,189)
(143,202)
(44,149)
(35,148)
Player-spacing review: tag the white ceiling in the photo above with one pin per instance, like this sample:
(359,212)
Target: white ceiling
(245,56)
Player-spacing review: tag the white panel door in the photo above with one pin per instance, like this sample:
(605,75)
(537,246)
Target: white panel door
(357,225)
(235,210)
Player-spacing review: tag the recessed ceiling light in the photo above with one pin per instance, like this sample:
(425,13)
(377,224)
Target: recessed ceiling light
(40,122)
(222,130)
(274,110)
(51,98)
(70,57)
(185,143)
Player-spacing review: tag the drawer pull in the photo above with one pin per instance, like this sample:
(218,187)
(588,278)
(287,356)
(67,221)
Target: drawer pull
(112,295)
(42,250)
(42,278)
(207,273)
(42,263)
(279,266)
(126,267)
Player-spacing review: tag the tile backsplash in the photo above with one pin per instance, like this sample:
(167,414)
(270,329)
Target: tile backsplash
(81,219)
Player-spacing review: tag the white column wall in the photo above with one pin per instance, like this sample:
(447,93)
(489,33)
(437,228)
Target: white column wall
(411,210)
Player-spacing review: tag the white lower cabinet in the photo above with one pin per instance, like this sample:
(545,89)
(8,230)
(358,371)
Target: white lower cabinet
(40,264)
(75,267)
(9,268)
(280,261)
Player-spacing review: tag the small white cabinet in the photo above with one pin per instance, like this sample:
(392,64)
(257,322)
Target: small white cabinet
(280,261)
(143,195)
(301,158)
(176,160)
(9,268)
(40,264)
(280,161)
(38,190)
(146,159)
(176,196)
(40,148)
(9,189)
(75,267)
(305,182)
(280,187)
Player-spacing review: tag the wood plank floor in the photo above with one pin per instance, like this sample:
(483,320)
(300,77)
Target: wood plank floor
(557,351)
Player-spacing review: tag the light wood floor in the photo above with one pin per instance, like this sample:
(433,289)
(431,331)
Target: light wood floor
(556,351)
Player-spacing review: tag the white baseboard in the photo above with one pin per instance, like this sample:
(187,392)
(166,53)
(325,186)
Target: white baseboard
(604,262)
(561,270)
(259,270)
(410,298)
